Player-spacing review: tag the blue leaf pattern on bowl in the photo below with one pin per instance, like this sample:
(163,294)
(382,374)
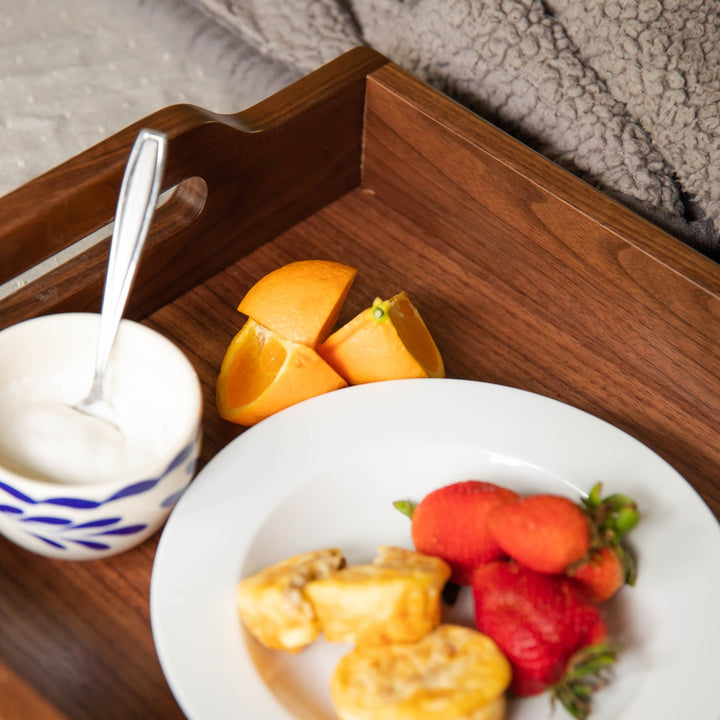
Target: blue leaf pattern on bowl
(81,503)
(135,489)
(47,520)
(96,528)
(171,499)
(98,523)
(127,530)
(65,533)
(49,541)
(77,503)
(11,509)
(91,545)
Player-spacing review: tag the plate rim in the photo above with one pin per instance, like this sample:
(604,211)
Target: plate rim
(316,406)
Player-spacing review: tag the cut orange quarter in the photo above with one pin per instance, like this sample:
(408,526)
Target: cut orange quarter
(262,373)
(301,300)
(387,341)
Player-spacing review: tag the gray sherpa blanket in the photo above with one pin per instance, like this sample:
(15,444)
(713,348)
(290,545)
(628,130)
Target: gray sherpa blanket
(624,93)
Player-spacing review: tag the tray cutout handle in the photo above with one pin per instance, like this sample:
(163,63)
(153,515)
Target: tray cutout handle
(264,168)
(178,207)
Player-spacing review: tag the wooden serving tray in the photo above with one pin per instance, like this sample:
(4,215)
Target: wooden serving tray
(526,276)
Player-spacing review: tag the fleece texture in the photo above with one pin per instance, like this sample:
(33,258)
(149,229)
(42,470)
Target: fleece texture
(624,93)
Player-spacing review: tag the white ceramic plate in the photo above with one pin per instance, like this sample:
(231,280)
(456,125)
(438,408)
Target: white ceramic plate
(325,473)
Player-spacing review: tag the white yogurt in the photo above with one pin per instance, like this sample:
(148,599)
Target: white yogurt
(43,437)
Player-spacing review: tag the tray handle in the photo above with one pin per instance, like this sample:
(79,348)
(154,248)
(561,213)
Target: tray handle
(236,181)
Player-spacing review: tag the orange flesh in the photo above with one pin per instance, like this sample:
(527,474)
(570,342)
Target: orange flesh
(412,331)
(254,366)
(263,373)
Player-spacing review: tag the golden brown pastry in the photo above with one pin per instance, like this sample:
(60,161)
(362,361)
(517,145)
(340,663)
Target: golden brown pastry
(396,598)
(273,605)
(453,673)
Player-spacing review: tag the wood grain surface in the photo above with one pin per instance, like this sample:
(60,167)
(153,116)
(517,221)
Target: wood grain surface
(526,277)
(567,294)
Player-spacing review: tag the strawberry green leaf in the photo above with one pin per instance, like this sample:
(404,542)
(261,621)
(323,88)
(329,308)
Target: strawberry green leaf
(406,507)
(612,517)
(627,558)
(625,520)
(599,657)
(586,672)
(593,500)
(618,501)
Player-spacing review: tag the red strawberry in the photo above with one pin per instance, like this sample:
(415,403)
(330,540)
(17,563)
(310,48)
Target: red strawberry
(612,560)
(544,532)
(600,574)
(541,622)
(450,523)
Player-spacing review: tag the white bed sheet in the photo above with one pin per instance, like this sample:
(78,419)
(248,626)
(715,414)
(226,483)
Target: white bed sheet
(76,71)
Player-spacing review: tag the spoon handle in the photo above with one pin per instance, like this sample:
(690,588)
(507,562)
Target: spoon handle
(136,205)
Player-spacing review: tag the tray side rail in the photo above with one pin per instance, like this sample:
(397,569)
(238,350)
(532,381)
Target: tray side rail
(574,296)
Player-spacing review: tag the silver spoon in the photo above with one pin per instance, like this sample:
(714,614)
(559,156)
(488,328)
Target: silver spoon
(136,205)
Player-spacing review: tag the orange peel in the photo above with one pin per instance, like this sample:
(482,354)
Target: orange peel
(387,341)
(301,300)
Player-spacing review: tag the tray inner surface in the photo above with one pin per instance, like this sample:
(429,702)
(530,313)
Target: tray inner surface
(525,276)
(518,285)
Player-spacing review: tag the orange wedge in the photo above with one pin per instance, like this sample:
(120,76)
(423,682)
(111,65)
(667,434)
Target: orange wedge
(301,300)
(263,372)
(387,341)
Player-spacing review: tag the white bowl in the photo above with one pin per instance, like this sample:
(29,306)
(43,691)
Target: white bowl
(71,487)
